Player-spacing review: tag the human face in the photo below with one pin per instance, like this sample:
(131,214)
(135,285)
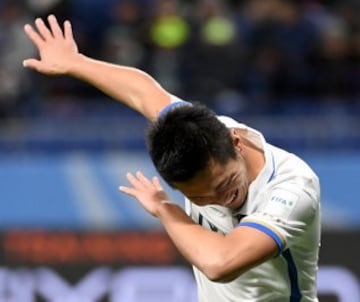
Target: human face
(221,184)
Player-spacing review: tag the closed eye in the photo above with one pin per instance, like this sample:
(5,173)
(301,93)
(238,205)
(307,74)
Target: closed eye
(223,184)
(228,186)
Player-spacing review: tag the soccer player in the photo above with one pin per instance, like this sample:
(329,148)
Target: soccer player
(251,228)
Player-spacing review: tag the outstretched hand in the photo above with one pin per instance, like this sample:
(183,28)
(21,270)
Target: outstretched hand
(149,193)
(57,47)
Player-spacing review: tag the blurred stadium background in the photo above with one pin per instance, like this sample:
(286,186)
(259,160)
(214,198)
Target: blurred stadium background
(287,68)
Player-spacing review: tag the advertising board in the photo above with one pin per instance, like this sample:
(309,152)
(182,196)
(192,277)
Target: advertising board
(132,266)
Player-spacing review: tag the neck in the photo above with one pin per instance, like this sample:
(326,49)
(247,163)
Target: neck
(254,158)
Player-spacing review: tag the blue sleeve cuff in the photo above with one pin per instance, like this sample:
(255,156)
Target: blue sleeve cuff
(276,237)
(166,109)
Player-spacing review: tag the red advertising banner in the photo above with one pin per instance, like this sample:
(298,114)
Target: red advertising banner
(132,266)
(93,248)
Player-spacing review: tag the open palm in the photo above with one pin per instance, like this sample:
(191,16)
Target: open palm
(149,193)
(57,47)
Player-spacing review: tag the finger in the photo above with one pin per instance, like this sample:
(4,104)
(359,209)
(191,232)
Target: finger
(34,36)
(32,63)
(133,181)
(68,31)
(128,191)
(143,179)
(55,28)
(43,29)
(156,183)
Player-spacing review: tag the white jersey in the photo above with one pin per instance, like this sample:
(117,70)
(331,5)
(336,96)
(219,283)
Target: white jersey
(283,202)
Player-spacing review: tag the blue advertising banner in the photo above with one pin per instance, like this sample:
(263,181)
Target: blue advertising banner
(79,190)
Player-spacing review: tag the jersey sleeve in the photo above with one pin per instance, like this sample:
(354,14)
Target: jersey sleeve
(286,213)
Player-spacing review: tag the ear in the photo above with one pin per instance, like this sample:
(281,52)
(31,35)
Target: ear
(237,140)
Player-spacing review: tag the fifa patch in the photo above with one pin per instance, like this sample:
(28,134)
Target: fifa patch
(281,203)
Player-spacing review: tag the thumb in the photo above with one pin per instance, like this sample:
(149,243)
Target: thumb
(32,64)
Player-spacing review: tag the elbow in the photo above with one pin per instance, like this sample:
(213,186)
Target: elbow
(219,272)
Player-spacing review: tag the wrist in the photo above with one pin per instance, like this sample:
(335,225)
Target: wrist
(165,201)
(76,65)
(163,207)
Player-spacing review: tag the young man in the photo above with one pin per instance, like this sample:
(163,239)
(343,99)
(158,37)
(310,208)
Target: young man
(252,227)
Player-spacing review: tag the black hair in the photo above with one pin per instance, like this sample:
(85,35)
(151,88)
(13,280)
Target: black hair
(182,142)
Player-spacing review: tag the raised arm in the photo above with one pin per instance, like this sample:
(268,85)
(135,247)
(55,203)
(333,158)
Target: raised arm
(59,55)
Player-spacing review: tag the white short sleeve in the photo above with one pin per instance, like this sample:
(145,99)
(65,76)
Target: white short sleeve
(286,212)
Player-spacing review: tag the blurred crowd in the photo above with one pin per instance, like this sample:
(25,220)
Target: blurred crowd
(246,55)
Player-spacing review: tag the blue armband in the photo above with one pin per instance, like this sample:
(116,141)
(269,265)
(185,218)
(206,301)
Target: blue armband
(172,105)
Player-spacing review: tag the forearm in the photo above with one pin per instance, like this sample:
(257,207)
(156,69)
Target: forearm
(201,247)
(220,257)
(130,86)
